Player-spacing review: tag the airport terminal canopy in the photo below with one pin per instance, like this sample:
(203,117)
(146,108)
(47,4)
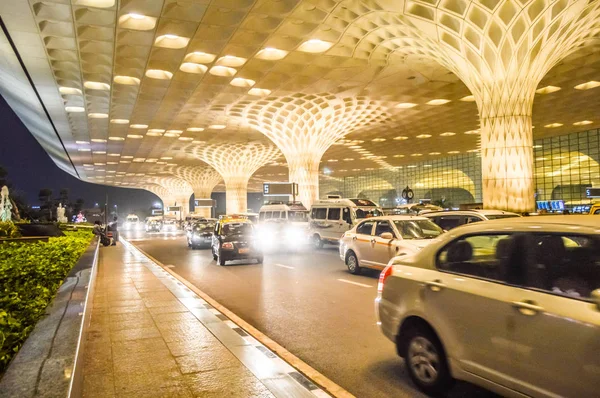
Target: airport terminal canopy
(136,88)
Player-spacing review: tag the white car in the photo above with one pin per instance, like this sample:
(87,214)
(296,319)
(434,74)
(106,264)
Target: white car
(512,305)
(374,241)
(455,218)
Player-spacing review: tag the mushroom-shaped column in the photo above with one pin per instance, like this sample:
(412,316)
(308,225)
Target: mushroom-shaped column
(236,162)
(202,179)
(180,191)
(304,126)
(501,50)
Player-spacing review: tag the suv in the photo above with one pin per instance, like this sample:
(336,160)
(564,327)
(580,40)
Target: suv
(455,218)
(373,242)
(512,305)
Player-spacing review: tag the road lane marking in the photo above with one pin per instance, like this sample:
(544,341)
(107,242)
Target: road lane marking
(284,266)
(354,283)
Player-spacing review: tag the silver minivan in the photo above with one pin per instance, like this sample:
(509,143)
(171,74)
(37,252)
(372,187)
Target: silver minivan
(512,305)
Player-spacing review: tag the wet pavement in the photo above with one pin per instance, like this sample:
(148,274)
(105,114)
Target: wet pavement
(307,302)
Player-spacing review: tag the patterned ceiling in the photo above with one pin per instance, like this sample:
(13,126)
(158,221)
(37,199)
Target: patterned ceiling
(137,88)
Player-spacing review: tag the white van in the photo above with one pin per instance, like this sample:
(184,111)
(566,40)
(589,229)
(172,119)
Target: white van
(331,218)
(295,213)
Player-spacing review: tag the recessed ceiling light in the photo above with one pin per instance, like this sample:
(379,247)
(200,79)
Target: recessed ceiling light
(553,125)
(191,67)
(400,138)
(588,85)
(217,126)
(315,46)
(114,154)
(195,129)
(447,134)
(472,132)
(378,139)
(137,22)
(199,57)
(96,86)
(135,136)
(355,147)
(186,138)
(119,121)
(151,160)
(116,138)
(271,54)
(175,131)
(412,166)
(74,109)
(259,92)
(153,133)
(424,136)
(98,115)
(156,130)
(406,105)
(82,142)
(398,156)
(231,61)
(547,90)
(426,165)
(223,71)
(583,123)
(139,160)
(84,150)
(127,157)
(166,158)
(241,82)
(537,146)
(438,102)
(434,153)
(468,98)
(112,171)
(348,159)
(453,152)
(171,41)
(332,160)
(159,74)
(171,135)
(138,126)
(98,140)
(416,154)
(99,152)
(473,150)
(127,80)
(69,91)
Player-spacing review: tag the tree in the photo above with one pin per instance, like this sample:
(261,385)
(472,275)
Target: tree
(45,197)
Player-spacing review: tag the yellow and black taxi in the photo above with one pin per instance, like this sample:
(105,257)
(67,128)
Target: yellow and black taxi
(199,233)
(234,239)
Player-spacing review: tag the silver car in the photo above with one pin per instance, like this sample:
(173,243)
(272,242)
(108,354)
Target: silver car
(511,305)
(374,241)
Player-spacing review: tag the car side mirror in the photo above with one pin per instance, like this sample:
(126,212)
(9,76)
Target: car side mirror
(596,298)
(387,235)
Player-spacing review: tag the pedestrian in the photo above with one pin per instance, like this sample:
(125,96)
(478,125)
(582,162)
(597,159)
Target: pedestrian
(114,227)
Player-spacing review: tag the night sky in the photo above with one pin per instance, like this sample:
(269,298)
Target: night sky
(30,169)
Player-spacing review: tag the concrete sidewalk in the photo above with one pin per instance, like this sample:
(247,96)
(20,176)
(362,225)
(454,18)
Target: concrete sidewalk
(150,336)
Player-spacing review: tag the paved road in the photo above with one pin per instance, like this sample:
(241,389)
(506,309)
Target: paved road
(309,304)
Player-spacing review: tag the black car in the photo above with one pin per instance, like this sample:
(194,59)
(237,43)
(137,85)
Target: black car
(235,240)
(200,234)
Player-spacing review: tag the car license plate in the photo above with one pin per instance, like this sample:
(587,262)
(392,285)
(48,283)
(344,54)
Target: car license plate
(243,251)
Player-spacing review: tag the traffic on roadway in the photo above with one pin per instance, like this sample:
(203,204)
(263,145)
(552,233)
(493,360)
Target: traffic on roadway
(412,303)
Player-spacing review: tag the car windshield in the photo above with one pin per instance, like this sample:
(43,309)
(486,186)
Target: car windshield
(237,229)
(298,216)
(418,229)
(203,227)
(366,212)
(499,216)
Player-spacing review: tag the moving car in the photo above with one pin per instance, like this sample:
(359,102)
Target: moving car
(455,218)
(595,209)
(413,208)
(153,224)
(253,217)
(132,223)
(235,239)
(291,212)
(169,225)
(373,242)
(331,218)
(512,305)
(200,233)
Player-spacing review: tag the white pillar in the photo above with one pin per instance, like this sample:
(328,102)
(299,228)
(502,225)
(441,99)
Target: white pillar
(304,170)
(236,194)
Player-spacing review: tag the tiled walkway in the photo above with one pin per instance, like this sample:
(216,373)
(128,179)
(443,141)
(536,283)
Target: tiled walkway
(150,336)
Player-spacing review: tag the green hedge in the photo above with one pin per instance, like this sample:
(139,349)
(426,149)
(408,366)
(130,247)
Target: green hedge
(30,275)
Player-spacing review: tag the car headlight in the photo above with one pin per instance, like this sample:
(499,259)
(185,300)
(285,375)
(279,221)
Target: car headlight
(294,235)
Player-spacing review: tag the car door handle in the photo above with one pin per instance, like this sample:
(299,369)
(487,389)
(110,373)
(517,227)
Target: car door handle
(527,307)
(435,285)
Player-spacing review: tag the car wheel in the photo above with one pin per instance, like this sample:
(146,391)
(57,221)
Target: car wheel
(352,263)
(260,259)
(426,361)
(317,242)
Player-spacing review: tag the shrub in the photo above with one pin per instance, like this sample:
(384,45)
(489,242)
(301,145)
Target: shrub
(8,230)
(30,275)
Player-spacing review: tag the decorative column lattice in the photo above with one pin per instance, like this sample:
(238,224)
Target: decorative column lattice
(236,162)
(304,126)
(202,179)
(180,191)
(501,50)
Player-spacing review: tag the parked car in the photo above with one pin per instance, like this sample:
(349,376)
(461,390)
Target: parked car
(235,239)
(200,233)
(331,218)
(374,241)
(512,305)
(455,218)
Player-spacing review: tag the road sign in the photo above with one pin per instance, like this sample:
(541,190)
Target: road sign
(592,192)
(280,188)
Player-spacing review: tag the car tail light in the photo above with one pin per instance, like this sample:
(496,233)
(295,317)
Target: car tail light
(227,245)
(387,271)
